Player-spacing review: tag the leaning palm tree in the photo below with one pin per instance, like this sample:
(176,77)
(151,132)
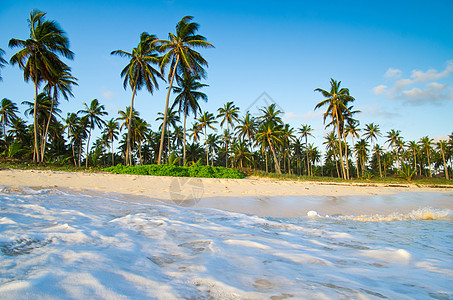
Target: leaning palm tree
(305,131)
(206,120)
(187,100)
(179,53)
(38,57)
(2,61)
(229,113)
(111,131)
(138,73)
(269,133)
(442,146)
(93,114)
(336,101)
(8,113)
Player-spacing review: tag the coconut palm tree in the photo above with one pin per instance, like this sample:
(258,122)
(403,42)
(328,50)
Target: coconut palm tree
(241,153)
(270,134)
(213,145)
(139,72)
(187,99)
(371,132)
(2,61)
(229,113)
(8,113)
(442,146)
(331,146)
(172,120)
(361,148)
(93,114)
(195,132)
(415,149)
(352,128)
(111,131)
(336,101)
(180,53)
(271,113)
(38,57)
(288,138)
(247,127)
(206,120)
(71,123)
(393,137)
(305,131)
(426,144)
(378,151)
(140,130)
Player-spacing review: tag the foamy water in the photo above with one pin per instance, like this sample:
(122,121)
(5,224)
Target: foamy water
(56,245)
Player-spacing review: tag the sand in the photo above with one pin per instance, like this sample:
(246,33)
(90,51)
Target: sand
(252,195)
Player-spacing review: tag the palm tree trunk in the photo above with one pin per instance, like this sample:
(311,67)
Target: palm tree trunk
(206,142)
(184,141)
(429,163)
(346,156)
(128,142)
(341,151)
(226,148)
(113,157)
(277,166)
(445,165)
(88,147)
(140,151)
(379,160)
(267,169)
(336,162)
(47,126)
(35,127)
(165,112)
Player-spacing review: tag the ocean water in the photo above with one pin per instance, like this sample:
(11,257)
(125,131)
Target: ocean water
(59,245)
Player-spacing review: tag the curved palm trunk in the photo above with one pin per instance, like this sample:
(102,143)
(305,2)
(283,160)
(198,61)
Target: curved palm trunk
(445,165)
(336,162)
(43,146)
(379,160)
(184,141)
(35,127)
(356,158)
(88,148)
(429,163)
(277,166)
(346,156)
(128,143)
(341,151)
(165,112)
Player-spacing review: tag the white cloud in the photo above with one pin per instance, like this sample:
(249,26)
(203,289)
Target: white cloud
(424,88)
(109,95)
(375,110)
(306,117)
(393,73)
(433,93)
(380,89)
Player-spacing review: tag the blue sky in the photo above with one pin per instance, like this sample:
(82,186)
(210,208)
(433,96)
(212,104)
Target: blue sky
(396,57)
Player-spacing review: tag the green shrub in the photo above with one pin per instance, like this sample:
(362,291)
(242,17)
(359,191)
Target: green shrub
(195,170)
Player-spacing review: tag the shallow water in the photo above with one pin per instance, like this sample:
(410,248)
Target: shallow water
(57,245)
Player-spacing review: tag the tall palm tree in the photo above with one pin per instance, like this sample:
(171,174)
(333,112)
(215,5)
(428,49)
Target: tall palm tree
(415,148)
(2,61)
(187,99)
(352,129)
(371,132)
(336,101)
(331,145)
(111,130)
(305,131)
(61,83)
(38,57)
(71,122)
(93,114)
(195,132)
(378,151)
(271,113)
(213,145)
(270,133)
(247,127)
(8,113)
(179,52)
(138,73)
(426,144)
(229,113)
(140,130)
(442,146)
(393,138)
(206,120)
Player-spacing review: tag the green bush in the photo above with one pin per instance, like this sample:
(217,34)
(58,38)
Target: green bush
(196,170)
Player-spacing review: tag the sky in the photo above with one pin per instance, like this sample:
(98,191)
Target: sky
(396,57)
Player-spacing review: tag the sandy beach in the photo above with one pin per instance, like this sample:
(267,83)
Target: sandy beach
(252,195)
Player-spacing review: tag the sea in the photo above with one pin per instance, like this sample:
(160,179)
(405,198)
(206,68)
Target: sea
(57,244)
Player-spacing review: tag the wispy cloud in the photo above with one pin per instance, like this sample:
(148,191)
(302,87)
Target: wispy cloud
(420,88)
(108,95)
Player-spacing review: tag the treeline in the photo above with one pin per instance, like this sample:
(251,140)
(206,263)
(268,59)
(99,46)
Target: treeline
(227,137)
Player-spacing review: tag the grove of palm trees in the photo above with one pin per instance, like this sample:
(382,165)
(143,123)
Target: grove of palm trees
(253,143)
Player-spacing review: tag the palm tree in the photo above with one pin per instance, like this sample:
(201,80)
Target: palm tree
(442,146)
(140,130)
(172,120)
(352,129)
(415,148)
(269,133)
(361,148)
(287,140)
(8,111)
(138,73)
(187,99)
(241,153)
(271,113)
(206,120)
(393,139)
(246,127)
(180,53)
(229,113)
(195,132)
(378,151)
(71,123)
(2,61)
(372,131)
(93,114)
(336,101)
(38,57)
(60,83)
(213,145)
(305,131)
(331,146)
(111,131)
(426,144)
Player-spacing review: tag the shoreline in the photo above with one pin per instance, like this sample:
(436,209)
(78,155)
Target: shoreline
(259,196)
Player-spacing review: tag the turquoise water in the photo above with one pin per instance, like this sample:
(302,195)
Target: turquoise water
(62,245)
